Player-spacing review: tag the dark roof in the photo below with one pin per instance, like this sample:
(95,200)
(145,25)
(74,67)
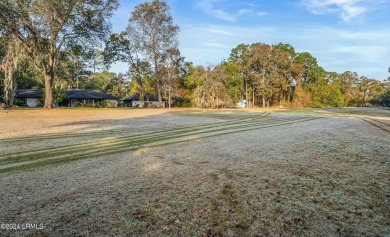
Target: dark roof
(147,97)
(28,93)
(89,94)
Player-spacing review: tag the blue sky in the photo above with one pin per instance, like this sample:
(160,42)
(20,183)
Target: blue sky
(342,34)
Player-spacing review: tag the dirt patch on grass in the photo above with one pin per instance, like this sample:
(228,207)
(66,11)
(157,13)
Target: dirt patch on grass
(288,173)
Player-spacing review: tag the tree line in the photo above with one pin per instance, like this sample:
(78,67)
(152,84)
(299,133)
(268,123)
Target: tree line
(64,44)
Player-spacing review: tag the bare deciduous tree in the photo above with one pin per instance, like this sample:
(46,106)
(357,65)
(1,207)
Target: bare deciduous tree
(170,73)
(152,26)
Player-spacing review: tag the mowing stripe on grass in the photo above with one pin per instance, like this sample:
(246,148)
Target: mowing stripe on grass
(114,131)
(137,136)
(376,125)
(119,143)
(113,143)
(376,120)
(144,144)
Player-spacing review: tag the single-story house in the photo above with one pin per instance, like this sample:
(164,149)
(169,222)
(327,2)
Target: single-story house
(30,96)
(87,97)
(150,100)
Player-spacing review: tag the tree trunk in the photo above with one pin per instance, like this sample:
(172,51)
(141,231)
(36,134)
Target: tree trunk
(158,84)
(169,99)
(9,88)
(142,97)
(253,96)
(159,93)
(281,96)
(364,98)
(263,101)
(48,91)
(12,92)
(49,79)
(246,93)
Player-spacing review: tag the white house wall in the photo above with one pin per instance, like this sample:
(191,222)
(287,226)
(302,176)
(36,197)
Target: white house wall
(156,103)
(32,102)
(137,103)
(112,103)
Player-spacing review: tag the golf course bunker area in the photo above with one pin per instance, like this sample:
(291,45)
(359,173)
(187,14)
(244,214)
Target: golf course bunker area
(189,172)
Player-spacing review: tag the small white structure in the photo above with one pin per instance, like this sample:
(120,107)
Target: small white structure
(241,104)
(31,97)
(32,102)
(150,100)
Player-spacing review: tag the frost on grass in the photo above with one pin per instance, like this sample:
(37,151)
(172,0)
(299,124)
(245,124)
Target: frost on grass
(327,176)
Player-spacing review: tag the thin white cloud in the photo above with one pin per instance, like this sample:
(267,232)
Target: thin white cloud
(372,36)
(219,31)
(244,11)
(208,7)
(217,45)
(262,13)
(345,9)
(250,4)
